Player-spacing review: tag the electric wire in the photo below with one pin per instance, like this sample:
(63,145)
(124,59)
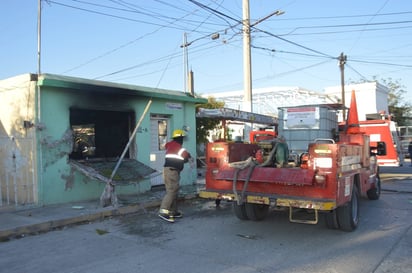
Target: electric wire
(347,25)
(222,16)
(120,47)
(370,20)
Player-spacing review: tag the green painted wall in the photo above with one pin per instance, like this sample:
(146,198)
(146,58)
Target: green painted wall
(179,118)
(59,183)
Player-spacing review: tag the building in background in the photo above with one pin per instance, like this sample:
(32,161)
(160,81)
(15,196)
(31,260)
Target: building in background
(266,101)
(372,98)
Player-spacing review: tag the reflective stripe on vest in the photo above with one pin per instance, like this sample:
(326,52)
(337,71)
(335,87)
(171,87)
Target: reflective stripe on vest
(178,155)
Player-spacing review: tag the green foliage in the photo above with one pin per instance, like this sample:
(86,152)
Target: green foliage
(203,125)
(399,109)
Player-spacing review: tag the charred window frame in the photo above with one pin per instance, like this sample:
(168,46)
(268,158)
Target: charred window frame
(99,133)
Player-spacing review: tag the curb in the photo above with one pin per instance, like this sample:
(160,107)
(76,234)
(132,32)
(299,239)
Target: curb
(45,226)
(59,222)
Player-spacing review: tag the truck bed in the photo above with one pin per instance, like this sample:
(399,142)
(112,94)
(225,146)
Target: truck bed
(288,176)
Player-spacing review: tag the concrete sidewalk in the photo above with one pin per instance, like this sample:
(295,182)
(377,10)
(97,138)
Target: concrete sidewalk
(20,223)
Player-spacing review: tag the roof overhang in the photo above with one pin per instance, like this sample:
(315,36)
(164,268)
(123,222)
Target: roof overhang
(87,85)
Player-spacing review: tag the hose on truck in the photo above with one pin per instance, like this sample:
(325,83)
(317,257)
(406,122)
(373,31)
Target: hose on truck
(250,162)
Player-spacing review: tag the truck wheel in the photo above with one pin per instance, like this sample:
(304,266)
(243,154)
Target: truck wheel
(256,212)
(375,193)
(331,219)
(348,214)
(240,211)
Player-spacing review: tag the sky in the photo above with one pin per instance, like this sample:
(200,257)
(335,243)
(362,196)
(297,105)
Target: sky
(142,42)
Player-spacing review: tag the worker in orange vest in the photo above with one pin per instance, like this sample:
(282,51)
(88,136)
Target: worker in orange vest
(175,158)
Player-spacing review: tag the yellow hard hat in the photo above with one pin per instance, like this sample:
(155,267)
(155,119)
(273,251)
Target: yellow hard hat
(178,133)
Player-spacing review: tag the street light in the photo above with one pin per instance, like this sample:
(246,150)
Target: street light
(185,45)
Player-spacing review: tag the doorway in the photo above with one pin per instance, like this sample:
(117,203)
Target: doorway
(160,132)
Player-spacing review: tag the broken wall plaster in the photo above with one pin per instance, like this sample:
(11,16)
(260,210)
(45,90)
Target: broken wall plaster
(54,150)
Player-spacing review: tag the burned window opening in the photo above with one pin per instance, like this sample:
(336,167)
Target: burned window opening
(100,134)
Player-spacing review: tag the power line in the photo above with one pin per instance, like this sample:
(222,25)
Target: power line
(346,16)
(118,48)
(254,27)
(291,52)
(213,11)
(347,25)
(166,23)
(133,8)
(382,63)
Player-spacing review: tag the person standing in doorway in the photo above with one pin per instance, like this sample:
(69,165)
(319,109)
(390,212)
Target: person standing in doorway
(175,158)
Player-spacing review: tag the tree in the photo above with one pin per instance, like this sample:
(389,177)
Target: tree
(204,125)
(399,109)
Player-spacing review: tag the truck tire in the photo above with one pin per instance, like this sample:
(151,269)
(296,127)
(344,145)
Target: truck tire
(256,212)
(348,214)
(239,211)
(375,193)
(331,219)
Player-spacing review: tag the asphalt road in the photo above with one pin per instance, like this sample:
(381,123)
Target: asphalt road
(210,239)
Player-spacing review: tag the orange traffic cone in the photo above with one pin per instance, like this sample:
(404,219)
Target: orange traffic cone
(352,122)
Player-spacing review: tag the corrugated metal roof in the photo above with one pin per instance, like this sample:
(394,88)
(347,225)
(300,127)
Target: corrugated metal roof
(236,115)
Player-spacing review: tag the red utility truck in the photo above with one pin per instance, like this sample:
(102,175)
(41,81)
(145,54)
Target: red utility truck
(261,135)
(329,180)
(384,130)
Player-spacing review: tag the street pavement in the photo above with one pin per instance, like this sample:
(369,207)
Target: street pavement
(28,222)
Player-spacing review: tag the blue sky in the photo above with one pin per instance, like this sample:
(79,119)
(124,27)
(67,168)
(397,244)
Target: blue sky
(139,42)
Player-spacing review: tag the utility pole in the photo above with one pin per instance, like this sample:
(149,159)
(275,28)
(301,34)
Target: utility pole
(38,36)
(247,63)
(247,59)
(39,8)
(247,66)
(185,62)
(342,62)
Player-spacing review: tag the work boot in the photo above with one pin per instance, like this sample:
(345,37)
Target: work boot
(167,217)
(177,214)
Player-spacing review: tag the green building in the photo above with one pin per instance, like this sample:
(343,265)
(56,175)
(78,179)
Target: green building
(61,137)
